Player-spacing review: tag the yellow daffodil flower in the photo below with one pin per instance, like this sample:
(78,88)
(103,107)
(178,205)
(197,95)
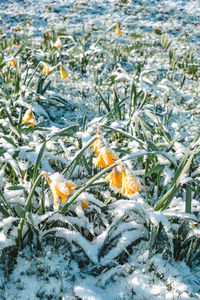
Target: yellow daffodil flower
(29,118)
(84,204)
(115,178)
(31,85)
(12,63)
(63,73)
(117,30)
(58,43)
(130,185)
(105,158)
(59,186)
(97,145)
(46,68)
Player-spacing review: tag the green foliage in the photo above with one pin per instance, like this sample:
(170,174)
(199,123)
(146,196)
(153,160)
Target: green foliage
(136,118)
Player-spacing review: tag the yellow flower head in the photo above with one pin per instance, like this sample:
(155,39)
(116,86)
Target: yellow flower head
(59,186)
(16,46)
(97,145)
(115,178)
(46,68)
(63,73)
(130,185)
(31,85)
(58,43)
(12,63)
(105,158)
(117,30)
(84,204)
(29,118)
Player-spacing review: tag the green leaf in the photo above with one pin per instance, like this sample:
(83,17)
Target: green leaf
(3,129)
(20,211)
(10,118)
(15,131)
(46,87)
(9,140)
(151,116)
(154,232)
(186,167)
(116,103)
(2,151)
(17,82)
(4,212)
(133,96)
(120,150)
(15,188)
(40,154)
(155,170)
(65,132)
(3,197)
(106,104)
(79,154)
(20,49)
(167,198)
(188,206)
(152,145)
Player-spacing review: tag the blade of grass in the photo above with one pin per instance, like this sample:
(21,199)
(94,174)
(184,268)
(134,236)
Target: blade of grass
(188,200)
(4,212)
(40,154)
(104,100)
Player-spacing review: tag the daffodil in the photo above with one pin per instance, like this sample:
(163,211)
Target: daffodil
(29,119)
(12,62)
(16,46)
(58,43)
(31,85)
(105,158)
(63,73)
(97,145)
(59,186)
(84,204)
(46,68)
(117,30)
(115,178)
(130,185)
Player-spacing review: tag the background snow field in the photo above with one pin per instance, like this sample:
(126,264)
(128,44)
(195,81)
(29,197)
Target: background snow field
(92,90)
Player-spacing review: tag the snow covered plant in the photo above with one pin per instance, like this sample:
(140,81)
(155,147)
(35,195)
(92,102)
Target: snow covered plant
(133,183)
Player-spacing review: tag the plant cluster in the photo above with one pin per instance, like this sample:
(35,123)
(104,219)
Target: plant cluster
(99,224)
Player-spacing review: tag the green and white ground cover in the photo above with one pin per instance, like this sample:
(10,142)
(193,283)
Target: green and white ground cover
(142,87)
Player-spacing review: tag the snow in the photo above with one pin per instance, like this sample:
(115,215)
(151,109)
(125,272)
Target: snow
(67,270)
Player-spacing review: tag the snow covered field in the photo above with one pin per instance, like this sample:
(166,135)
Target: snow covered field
(141,86)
